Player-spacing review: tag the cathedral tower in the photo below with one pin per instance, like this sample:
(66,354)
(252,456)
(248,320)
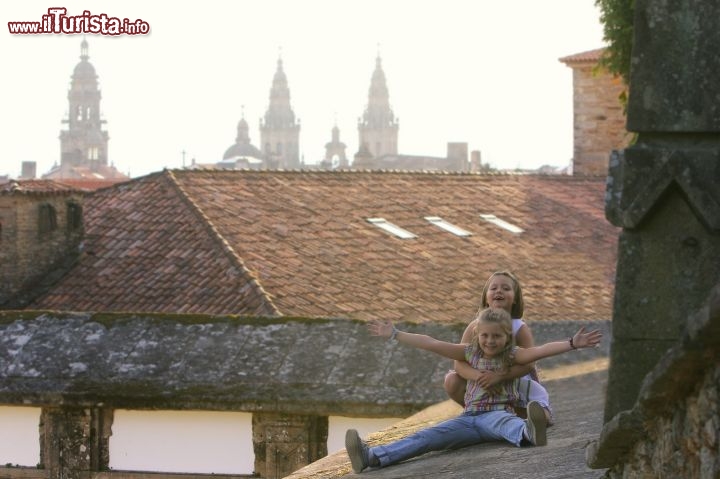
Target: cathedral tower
(378,127)
(280,132)
(84,143)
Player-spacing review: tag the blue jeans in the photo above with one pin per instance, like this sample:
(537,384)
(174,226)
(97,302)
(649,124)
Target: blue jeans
(461,431)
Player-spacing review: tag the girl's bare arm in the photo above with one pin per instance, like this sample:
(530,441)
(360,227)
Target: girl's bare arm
(461,366)
(581,339)
(385,329)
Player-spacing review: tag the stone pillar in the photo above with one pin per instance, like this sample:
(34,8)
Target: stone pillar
(284,443)
(664,191)
(74,441)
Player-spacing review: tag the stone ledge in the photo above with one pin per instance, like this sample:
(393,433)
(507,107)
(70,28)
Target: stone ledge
(172,361)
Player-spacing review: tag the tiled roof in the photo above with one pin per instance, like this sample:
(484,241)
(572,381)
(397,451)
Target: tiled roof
(247,242)
(148,249)
(590,56)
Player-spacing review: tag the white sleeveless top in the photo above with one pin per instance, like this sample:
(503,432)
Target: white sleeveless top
(516,325)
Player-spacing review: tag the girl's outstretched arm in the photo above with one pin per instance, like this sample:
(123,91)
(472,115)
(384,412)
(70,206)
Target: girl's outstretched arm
(580,340)
(386,329)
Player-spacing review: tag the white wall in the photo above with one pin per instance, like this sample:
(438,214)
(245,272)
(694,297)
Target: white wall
(168,441)
(19,436)
(182,441)
(203,442)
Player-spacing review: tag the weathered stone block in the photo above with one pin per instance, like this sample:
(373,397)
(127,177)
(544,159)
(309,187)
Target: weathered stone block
(284,442)
(674,86)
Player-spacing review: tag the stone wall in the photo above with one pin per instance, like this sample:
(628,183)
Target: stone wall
(663,190)
(673,430)
(32,247)
(684,444)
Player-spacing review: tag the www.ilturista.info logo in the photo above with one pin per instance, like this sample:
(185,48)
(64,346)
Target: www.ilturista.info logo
(58,22)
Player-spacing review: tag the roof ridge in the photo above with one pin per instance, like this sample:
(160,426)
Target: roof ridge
(353,171)
(388,172)
(587,56)
(229,251)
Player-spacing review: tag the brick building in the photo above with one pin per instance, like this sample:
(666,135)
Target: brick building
(598,117)
(41,227)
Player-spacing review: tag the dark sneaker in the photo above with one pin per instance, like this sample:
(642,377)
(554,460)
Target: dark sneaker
(357,450)
(536,424)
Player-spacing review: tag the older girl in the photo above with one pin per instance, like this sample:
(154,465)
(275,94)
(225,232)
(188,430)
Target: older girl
(502,290)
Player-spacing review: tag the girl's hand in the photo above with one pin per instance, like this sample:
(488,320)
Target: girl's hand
(488,379)
(377,327)
(586,340)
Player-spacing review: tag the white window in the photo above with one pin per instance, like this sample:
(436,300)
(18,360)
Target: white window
(441,223)
(502,223)
(383,224)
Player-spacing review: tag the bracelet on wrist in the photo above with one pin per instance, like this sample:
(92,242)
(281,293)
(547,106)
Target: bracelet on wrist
(393,335)
(572,345)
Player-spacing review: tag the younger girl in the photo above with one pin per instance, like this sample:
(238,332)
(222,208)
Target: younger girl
(502,290)
(488,414)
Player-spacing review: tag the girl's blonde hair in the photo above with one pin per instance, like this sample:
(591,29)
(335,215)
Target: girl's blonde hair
(502,318)
(518,306)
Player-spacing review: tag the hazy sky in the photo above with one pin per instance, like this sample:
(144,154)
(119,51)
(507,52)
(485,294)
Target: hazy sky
(477,71)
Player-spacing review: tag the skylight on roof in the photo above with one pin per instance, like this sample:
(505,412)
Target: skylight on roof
(441,223)
(393,229)
(502,223)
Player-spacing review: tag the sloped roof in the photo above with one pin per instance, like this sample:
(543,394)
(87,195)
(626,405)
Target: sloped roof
(590,56)
(298,243)
(147,248)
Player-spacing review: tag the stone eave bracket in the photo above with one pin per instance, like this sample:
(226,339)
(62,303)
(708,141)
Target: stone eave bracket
(640,175)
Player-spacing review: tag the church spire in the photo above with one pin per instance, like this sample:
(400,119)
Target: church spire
(378,127)
(280,131)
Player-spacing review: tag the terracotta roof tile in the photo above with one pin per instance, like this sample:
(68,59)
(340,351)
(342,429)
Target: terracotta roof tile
(251,241)
(590,56)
